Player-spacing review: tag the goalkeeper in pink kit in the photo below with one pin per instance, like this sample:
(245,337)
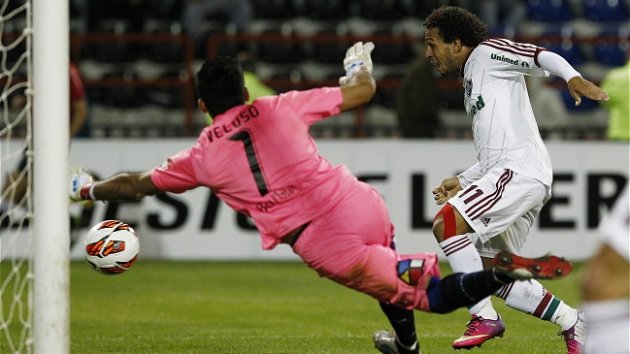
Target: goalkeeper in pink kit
(260,159)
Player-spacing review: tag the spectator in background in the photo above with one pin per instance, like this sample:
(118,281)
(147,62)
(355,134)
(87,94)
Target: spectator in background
(15,189)
(237,12)
(78,103)
(417,101)
(617,84)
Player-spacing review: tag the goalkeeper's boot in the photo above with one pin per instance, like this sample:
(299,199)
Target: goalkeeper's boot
(387,343)
(479,330)
(575,336)
(521,268)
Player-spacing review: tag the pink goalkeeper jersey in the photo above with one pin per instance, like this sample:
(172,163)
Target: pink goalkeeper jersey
(261,160)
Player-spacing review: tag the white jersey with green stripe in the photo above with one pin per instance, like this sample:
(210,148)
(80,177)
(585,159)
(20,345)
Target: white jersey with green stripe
(505,131)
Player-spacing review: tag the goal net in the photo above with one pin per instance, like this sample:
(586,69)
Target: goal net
(16,207)
(34,227)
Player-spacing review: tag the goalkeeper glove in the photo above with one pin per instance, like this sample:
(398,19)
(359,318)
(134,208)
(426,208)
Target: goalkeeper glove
(81,185)
(357,57)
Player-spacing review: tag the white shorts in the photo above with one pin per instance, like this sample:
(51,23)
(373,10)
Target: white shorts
(614,228)
(501,208)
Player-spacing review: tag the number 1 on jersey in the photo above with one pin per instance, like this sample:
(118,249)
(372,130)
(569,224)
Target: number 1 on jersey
(252,160)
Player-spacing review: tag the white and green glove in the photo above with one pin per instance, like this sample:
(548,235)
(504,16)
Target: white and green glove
(81,185)
(357,57)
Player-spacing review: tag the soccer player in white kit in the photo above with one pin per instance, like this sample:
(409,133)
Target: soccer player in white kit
(606,284)
(492,205)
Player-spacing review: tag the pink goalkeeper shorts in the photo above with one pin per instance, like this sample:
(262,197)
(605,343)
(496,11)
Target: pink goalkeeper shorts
(352,245)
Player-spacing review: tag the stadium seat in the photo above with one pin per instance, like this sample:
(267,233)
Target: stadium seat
(392,52)
(416,9)
(115,51)
(381,121)
(605,10)
(163,9)
(380,10)
(561,42)
(121,95)
(285,78)
(611,48)
(164,51)
(168,96)
(549,10)
(273,49)
(327,51)
(323,10)
(273,9)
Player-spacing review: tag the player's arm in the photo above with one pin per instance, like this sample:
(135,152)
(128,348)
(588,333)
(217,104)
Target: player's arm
(357,86)
(359,90)
(578,86)
(122,186)
(447,189)
(450,186)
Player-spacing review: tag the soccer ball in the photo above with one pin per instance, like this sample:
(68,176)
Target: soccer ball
(111,247)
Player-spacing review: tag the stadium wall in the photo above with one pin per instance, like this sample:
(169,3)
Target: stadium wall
(194,225)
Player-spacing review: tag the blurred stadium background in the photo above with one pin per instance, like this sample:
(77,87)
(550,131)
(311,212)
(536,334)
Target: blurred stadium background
(138,59)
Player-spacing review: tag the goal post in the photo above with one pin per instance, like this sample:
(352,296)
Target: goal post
(51,285)
(34,136)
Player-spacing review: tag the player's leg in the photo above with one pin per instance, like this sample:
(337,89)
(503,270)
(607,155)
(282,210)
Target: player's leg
(341,244)
(452,233)
(531,297)
(464,289)
(445,295)
(357,255)
(488,206)
(404,339)
(454,236)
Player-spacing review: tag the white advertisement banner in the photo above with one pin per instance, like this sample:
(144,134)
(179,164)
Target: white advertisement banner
(195,225)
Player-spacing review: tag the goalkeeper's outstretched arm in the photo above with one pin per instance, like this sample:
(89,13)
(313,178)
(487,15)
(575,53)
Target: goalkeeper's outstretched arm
(359,90)
(122,186)
(358,85)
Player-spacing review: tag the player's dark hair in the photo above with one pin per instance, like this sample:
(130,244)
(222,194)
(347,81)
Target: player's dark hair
(220,84)
(457,23)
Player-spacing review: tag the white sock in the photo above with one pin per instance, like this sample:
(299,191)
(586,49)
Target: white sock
(608,326)
(565,317)
(531,297)
(464,258)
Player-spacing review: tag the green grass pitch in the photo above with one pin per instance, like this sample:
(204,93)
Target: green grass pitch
(263,307)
